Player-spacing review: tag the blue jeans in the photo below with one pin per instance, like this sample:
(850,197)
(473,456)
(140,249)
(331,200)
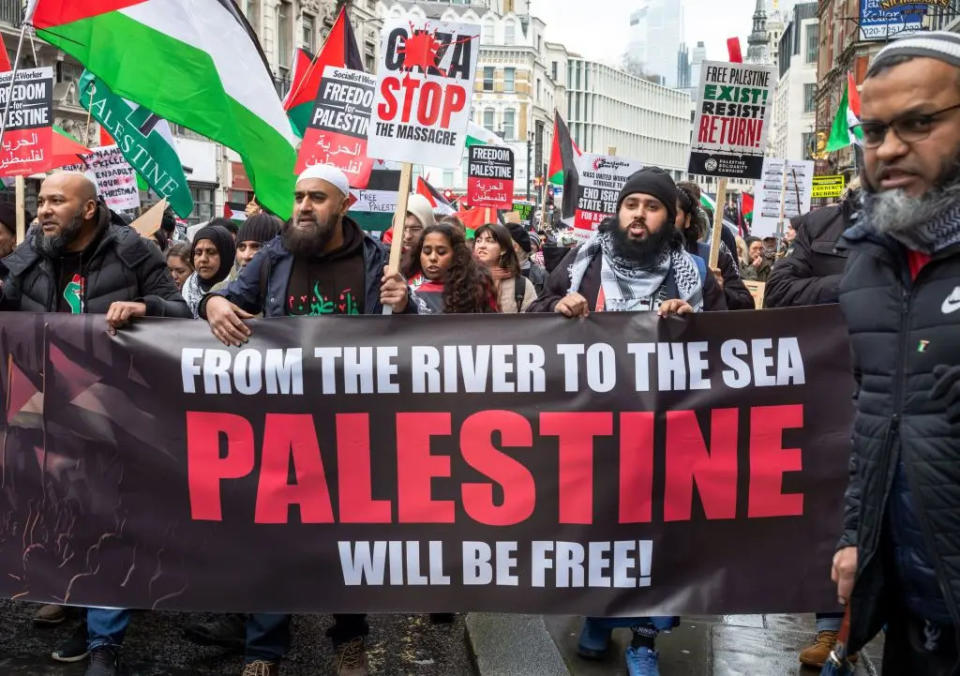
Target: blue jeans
(829,621)
(268,634)
(106,627)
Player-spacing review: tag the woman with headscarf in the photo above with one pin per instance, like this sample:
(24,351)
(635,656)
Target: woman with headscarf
(494,248)
(212,253)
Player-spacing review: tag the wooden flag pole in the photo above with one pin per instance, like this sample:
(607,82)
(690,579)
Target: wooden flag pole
(717,223)
(399,216)
(783,205)
(21,206)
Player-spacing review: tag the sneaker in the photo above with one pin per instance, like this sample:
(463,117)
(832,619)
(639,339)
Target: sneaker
(816,655)
(104,661)
(49,615)
(352,658)
(73,649)
(594,640)
(642,662)
(228,631)
(261,668)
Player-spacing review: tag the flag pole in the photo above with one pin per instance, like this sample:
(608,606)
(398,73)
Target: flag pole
(13,78)
(399,216)
(717,222)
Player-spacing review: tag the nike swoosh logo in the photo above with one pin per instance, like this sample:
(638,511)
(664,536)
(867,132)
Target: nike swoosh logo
(952,302)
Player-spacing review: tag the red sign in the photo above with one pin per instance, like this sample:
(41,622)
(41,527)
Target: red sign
(490,177)
(27,144)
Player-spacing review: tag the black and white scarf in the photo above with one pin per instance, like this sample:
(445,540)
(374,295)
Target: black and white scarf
(627,287)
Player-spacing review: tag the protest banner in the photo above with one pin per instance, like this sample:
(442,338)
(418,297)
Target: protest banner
(505,463)
(601,178)
(828,186)
(424,91)
(790,183)
(337,131)
(490,177)
(27,108)
(116,180)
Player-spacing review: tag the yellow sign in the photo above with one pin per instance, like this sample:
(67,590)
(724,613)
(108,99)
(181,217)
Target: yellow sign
(828,186)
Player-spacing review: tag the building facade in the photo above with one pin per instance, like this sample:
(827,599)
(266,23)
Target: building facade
(656,48)
(795,118)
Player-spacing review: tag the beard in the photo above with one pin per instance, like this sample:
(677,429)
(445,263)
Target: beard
(310,242)
(54,246)
(894,212)
(642,252)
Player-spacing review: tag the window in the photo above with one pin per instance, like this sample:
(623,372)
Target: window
(284,33)
(509,33)
(813,42)
(807,142)
(509,79)
(553,70)
(488,119)
(251,8)
(488,78)
(809,97)
(308,33)
(202,204)
(509,124)
(488,36)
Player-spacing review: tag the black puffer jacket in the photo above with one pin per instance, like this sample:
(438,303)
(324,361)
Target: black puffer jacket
(810,275)
(122,267)
(905,460)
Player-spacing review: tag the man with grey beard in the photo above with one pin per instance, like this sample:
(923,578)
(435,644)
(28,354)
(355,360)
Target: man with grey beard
(898,560)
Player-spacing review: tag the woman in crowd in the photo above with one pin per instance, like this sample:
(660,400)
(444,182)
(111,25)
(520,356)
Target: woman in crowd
(450,280)
(494,248)
(253,234)
(212,253)
(179,263)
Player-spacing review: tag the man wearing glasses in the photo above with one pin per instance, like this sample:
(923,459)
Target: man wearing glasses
(898,560)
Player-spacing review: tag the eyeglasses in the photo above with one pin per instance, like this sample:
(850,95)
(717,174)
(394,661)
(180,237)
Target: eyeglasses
(909,128)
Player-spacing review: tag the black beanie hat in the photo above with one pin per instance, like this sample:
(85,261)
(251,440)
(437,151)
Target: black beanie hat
(520,236)
(652,181)
(223,240)
(259,228)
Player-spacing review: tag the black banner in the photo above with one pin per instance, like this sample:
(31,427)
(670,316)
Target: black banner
(617,465)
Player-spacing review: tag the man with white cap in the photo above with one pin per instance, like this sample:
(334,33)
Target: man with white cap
(322,264)
(898,561)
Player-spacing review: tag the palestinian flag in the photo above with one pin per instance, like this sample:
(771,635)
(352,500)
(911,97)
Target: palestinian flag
(845,130)
(340,50)
(563,153)
(66,150)
(437,201)
(193,62)
(480,136)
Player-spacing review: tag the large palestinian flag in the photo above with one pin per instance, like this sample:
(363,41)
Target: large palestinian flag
(562,169)
(340,50)
(194,62)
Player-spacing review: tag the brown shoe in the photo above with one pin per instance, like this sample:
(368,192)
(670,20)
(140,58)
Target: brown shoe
(49,615)
(352,658)
(815,655)
(261,668)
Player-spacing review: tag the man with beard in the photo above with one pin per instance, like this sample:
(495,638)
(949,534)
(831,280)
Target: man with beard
(78,260)
(634,262)
(322,264)
(898,560)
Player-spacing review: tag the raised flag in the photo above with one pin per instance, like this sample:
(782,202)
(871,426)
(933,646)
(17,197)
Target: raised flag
(193,62)
(437,201)
(562,170)
(846,124)
(339,50)
(480,136)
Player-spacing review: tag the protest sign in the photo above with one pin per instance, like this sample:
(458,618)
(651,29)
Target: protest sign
(793,187)
(503,463)
(424,90)
(490,177)
(757,290)
(337,131)
(116,180)
(730,129)
(601,178)
(525,209)
(828,186)
(28,138)
(374,206)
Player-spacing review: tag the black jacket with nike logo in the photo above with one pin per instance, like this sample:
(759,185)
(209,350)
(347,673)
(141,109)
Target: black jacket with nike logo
(902,507)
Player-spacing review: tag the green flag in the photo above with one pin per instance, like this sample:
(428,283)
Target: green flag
(143,138)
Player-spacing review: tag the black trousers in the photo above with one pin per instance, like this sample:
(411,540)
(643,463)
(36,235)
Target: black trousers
(914,646)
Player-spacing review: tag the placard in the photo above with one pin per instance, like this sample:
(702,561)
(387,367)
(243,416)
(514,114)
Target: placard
(115,179)
(796,198)
(424,91)
(337,131)
(734,109)
(828,186)
(490,177)
(601,178)
(28,137)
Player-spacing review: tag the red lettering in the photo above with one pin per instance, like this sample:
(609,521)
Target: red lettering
(636,467)
(416,468)
(689,461)
(769,460)
(703,134)
(576,431)
(291,437)
(388,109)
(409,94)
(354,486)
(429,109)
(453,102)
(713,129)
(205,466)
(724,130)
(519,489)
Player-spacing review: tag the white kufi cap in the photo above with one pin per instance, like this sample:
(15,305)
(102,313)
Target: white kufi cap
(327,173)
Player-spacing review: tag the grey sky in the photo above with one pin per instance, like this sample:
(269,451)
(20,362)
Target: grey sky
(599,29)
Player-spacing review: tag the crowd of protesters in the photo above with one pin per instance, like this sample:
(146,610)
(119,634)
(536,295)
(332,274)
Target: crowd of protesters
(886,252)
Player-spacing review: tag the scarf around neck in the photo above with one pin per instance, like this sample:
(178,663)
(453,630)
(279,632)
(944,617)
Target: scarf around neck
(932,237)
